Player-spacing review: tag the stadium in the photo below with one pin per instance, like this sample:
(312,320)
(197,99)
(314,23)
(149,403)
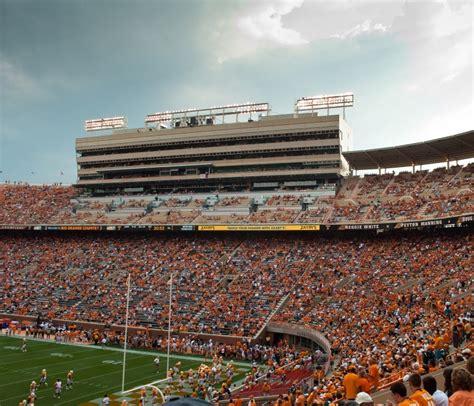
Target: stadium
(249,251)
(236,203)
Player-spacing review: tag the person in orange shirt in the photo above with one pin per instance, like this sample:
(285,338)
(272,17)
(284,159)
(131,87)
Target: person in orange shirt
(300,398)
(420,395)
(374,375)
(432,366)
(312,396)
(238,401)
(266,387)
(278,401)
(351,383)
(467,329)
(399,393)
(446,340)
(364,384)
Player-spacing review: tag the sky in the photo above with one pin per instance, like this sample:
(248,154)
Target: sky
(408,63)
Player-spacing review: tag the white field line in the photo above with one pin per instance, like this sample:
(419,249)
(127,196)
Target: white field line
(52,369)
(88,379)
(70,360)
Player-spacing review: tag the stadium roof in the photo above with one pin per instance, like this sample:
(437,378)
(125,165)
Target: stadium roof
(452,148)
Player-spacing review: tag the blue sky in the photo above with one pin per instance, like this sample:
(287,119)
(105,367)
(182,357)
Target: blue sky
(409,65)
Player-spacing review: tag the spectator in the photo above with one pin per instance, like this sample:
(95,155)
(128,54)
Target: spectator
(364,385)
(418,394)
(399,393)
(466,353)
(364,399)
(470,365)
(448,385)
(351,383)
(463,387)
(439,397)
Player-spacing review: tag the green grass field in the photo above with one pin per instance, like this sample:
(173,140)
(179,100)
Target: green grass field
(97,371)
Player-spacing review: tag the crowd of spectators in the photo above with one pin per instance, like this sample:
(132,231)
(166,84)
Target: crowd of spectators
(238,201)
(400,292)
(348,213)
(373,318)
(217,292)
(313,215)
(371,186)
(388,305)
(283,200)
(384,303)
(25,204)
(372,198)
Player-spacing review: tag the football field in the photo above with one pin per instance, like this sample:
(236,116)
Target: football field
(97,371)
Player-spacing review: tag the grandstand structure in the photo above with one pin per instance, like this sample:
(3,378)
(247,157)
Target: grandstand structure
(187,178)
(288,151)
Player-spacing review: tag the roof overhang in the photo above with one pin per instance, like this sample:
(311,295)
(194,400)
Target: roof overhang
(451,148)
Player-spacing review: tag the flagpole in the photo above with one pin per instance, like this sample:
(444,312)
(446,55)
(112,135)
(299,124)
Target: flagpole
(126,334)
(169,327)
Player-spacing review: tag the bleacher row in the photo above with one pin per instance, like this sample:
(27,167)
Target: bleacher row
(372,198)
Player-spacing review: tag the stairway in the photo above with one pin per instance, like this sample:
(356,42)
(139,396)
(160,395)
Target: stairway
(275,311)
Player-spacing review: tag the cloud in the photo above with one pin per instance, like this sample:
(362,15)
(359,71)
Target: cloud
(20,86)
(270,24)
(367,27)
(433,19)
(449,77)
(254,26)
(16,83)
(438,39)
(267,24)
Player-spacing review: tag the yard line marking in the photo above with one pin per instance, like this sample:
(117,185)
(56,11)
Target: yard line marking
(51,370)
(84,380)
(52,367)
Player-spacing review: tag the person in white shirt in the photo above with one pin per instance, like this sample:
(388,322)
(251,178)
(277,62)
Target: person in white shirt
(439,397)
(106,400)
(57,388)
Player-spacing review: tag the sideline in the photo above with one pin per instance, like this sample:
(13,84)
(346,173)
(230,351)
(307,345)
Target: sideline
(139,352)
